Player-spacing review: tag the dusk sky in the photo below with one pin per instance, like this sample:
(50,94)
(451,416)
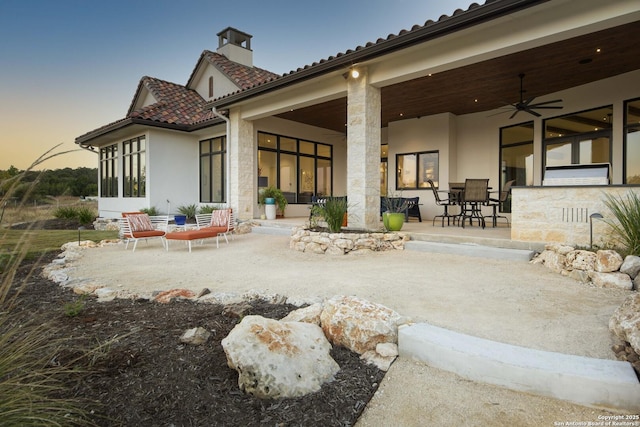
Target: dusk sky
(71,66)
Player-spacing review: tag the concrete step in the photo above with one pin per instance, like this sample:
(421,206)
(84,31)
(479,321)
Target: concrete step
(470,249)
(590,382)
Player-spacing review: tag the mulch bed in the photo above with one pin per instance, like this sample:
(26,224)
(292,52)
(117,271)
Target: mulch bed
(146,376)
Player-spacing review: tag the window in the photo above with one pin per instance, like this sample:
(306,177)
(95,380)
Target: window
(579,138)
(210,86)
(212,170)
(415,169)
(134,165)
(298,167)
(109,171)
(516,157)
(632,142)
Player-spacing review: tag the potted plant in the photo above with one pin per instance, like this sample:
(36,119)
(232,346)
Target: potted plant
(394,215)
(270,196)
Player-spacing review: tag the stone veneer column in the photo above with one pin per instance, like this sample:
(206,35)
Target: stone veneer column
(242,166)
(363,152)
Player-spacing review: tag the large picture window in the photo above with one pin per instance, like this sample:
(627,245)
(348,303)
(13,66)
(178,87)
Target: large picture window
(415,169)
(579,138)
(212,170)
(298,167)
(135,168)
(109,171)
(632,142)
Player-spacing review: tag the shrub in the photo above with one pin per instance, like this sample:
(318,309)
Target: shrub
(188,210)
(86,215)
(626,225)
(66,212)
(152,211)
(83,214)
(73,309)
(207,209)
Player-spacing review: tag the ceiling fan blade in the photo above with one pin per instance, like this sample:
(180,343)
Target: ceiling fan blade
(514,114)
(530,111)
(546,107)
(545,103)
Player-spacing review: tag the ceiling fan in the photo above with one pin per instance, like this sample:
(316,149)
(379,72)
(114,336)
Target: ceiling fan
(527,106)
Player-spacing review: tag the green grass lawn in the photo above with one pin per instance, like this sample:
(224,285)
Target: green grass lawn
(37,242)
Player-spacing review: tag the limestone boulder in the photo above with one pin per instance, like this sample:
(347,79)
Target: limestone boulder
(611,280)
(607,261)
(625,322)
(631,266)
(276,359)
(357,324)
(554,261)
(559,248)
(310,314)
(195,336)
(166,297)
(581,260)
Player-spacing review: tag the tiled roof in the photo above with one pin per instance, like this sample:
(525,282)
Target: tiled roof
(243,76)
(175,104)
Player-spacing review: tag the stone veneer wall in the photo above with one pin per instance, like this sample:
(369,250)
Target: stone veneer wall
(305,240)
(561,214)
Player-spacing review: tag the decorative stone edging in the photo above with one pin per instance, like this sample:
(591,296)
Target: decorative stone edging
(322,242)
(605,268)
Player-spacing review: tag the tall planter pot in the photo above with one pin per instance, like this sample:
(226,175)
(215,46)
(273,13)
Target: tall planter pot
(393,221)
(270,208)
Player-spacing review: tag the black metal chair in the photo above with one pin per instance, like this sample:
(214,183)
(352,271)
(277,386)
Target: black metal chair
(475,195)
(445,203)
(495,203)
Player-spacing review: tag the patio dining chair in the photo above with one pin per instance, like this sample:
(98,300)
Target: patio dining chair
(474,196)
(495,203)
(445,203)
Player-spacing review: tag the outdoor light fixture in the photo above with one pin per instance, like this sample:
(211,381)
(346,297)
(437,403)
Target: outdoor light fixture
(595,215)
(355,73)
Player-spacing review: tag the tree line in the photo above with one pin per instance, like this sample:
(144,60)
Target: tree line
(37,185)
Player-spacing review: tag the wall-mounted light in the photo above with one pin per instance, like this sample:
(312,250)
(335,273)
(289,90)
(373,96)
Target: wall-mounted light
(353,73)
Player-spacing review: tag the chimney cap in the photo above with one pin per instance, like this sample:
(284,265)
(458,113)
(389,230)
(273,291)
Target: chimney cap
(234,36)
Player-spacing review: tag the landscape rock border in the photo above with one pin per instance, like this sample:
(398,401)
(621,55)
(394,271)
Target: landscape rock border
(304,239)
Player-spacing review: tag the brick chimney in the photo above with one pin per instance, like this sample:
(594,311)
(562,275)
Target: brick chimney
(236,46)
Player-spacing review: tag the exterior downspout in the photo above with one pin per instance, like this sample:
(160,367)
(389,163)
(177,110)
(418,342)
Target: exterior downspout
(227,139)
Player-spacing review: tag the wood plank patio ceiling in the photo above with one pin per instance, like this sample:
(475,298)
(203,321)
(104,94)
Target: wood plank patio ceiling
(494,83)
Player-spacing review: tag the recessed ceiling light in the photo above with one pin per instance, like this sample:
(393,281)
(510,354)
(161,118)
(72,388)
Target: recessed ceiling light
(598,50)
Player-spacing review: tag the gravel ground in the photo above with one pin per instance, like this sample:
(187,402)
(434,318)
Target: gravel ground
(513,302)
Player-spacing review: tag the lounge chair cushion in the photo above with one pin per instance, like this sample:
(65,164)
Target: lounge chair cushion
(202,233)
(220,218)
(140,222)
